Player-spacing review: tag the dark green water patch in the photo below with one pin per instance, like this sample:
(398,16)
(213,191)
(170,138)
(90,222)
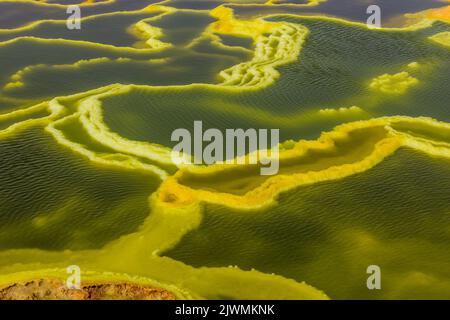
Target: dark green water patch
(51,198)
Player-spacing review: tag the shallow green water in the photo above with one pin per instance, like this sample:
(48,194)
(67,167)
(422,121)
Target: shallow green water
(395,216)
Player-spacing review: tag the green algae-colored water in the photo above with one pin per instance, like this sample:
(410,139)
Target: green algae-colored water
(86,118)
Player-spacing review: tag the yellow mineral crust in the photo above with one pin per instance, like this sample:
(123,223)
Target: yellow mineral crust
(439,14)
(393,83)
(276,44)
(50,284)
(149,33)
(442,38)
